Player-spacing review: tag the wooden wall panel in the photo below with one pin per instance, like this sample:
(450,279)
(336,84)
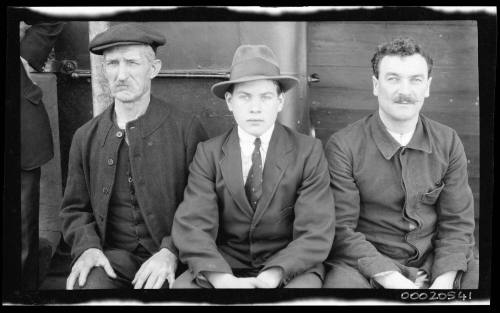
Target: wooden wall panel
(360,78)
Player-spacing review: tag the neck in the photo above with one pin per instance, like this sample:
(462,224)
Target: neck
(399,127)
(129,111)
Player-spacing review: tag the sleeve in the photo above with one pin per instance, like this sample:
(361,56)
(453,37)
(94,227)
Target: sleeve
(350,246)
(453,245)
(195,134)
(38,42)
(79,227)
(314,223)
(196,221)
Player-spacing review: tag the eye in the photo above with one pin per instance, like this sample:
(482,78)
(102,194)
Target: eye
(243,96)
(392,79)
(417,80)
(111,62)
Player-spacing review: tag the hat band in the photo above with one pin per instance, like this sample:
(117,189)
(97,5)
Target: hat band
(254,67)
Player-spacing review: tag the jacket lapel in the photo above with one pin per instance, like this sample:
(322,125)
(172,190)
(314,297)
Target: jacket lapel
(230,166)
(274,167)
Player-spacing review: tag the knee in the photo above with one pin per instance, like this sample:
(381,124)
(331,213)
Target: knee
(470,279)
(185,281)
(306,280)
(344,276)
(97,279)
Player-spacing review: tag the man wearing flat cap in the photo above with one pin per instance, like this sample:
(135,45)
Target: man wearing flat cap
(257,211)
(127,171)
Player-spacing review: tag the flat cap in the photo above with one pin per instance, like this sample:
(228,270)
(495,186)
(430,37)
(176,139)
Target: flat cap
(126,34)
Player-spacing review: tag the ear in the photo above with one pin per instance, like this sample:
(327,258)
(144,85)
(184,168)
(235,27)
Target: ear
(156,67)
(427,92)
(281,101)
(375,86)
(228,97)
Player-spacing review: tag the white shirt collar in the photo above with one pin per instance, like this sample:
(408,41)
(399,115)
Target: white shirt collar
(402,139)
(247,138)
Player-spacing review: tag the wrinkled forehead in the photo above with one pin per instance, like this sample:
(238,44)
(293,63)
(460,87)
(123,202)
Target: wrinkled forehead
(414,64)
(128,51)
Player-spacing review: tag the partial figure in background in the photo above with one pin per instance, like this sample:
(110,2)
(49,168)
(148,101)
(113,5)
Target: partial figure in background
(258,211)
(404,208)
(36,43)
(127,171)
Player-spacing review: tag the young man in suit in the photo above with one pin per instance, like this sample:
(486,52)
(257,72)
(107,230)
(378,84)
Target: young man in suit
(127,171)
(257,211)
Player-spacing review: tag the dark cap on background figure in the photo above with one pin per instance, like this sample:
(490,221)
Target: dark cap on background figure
(126,34)
(254,62)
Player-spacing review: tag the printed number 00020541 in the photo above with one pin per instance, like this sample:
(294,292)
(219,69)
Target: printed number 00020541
(436,296)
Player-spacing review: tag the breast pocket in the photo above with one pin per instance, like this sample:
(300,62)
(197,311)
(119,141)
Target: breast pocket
(431,197)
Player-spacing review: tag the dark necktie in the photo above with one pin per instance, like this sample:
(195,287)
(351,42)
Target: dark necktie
(253,185)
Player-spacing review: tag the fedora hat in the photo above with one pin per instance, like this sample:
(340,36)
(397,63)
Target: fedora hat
(254,62)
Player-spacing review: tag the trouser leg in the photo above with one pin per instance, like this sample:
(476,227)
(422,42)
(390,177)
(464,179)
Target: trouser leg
(469,279)
(305,280)
(341,275)
(30,198)
(186,281)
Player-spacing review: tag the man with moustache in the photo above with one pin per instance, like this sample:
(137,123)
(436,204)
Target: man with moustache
(257,210)
(127,171)
(404,209)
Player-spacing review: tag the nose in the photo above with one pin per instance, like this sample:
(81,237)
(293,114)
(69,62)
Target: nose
(256,105)
(404,87)
(122,71)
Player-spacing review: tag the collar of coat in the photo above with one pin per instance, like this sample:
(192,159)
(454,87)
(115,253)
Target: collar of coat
(388,146)
(147,123)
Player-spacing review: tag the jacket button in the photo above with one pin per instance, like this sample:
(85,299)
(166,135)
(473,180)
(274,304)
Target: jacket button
(110,161)
(105,190)
(119,134)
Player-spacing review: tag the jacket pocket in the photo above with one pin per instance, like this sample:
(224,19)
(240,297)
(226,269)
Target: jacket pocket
(432,196)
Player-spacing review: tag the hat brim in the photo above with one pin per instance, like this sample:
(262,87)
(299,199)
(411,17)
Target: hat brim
(99,50)
(286,83)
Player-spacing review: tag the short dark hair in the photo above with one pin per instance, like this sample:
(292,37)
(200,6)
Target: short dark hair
(279,90)
(402,46)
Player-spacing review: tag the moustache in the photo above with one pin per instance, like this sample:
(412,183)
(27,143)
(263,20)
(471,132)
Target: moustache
(402,99)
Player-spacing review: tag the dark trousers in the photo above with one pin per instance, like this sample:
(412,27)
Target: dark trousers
(30,198)
(124,263)
(305,280)
(341,275)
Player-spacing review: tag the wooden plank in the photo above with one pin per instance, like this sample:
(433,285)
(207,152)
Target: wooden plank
(360,78)
(344,98)
(354,43)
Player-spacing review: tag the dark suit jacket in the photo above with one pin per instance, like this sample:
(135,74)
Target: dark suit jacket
(36,134)
(162,143)
(215,229)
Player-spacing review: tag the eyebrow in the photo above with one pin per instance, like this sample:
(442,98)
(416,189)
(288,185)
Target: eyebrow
(396,74)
